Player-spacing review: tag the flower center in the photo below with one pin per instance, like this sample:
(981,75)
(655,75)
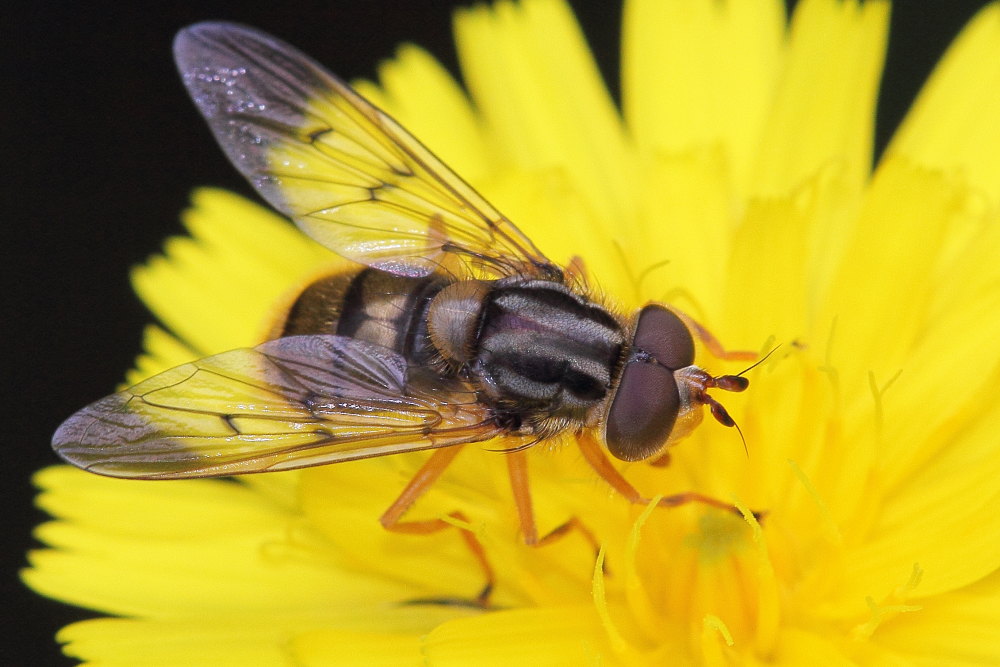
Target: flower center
(718,535)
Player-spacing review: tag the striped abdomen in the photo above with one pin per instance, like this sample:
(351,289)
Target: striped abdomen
(371,305)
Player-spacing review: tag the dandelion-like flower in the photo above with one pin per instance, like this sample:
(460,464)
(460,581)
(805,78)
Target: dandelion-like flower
(737,185)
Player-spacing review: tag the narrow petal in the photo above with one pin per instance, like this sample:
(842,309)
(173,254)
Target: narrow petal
(161,351)
(210,290)
(904,221)
(356,493)
(953,126)
(217,642)
(330,648)
(701,74)
(167,549)
(684,231)
(552,636)
(824,109)
(342,637)
(944,517)
(954,339)
(540,92)
(420,93)
(770,303)
(952,536)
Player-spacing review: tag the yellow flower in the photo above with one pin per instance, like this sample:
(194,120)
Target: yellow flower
(739,188)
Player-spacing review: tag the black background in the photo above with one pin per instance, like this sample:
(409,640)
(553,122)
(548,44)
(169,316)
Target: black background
(101,148)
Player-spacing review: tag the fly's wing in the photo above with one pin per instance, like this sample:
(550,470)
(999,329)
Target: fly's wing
(347,173)
(288,403)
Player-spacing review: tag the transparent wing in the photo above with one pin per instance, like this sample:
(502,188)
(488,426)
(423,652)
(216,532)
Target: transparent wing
(289,403)
(347,173)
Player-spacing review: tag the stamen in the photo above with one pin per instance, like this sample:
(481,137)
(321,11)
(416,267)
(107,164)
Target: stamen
(618,642)
(829,525)
(636,592)
(877,393)
(880,614)
(646,272)
(891,606)
(768,598)
(713,622)
(712,652)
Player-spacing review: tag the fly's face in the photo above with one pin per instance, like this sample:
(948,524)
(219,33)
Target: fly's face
(660,393)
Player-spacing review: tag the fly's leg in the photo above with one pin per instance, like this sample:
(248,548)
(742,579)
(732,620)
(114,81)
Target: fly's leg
(711,343)
(594,455)
(391,520)
(517,468)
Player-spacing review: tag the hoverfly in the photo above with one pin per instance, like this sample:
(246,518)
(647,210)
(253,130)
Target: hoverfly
(454,328)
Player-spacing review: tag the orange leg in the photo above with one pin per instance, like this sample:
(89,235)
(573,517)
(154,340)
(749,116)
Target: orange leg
(661,461)
(429,473)
(421,482)
(517,467)
(711,343)
(594,455)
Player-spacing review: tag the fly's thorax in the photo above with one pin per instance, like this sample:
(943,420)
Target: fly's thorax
(454,318)
(545,354)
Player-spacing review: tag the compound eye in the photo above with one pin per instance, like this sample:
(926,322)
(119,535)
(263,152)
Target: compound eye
(647,400)
(664,336)
(643,412)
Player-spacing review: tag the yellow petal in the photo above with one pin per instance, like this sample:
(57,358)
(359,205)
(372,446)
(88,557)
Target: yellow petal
(824,108)
(202,642)
(329,648)
(905,220)
(684,228)
(211,290)
(801,647)
(204,547)
(542,96)
(964,628)
(959,422)
(420,93)
(338,637)
(161,351)
(553,636)
(770,302)
(955,541)
(952,125)
(698,74)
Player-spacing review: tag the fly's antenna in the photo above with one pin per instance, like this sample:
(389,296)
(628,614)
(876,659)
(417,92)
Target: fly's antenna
(759,361)
(731,383)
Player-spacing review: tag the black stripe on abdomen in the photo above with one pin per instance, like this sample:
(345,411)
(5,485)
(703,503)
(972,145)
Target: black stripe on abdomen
(389,310)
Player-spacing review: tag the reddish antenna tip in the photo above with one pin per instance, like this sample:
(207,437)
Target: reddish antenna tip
(720,413)
(722,416)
